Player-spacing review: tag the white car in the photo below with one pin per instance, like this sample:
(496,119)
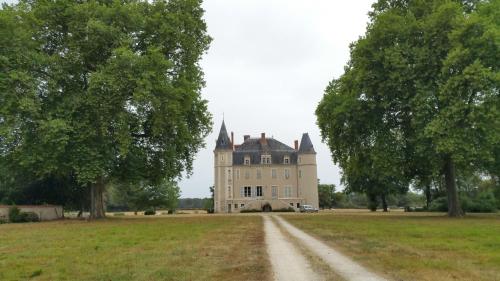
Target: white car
(308,209)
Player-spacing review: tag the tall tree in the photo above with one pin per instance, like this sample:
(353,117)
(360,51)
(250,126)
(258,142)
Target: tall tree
(104,90)
(426,75)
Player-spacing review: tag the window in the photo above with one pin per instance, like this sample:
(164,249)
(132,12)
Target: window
(259,191)
(265,159)
(286,160)
(298,205)
(274,191)
(300,159)
(288,191)
(287,173)
(273,173)
(222,158)
(247,160)
(229,191)
(300,173)
(259,174)
(242,205)
(236,206)
(238,174)
(248,191)
(247,174)
(291,204)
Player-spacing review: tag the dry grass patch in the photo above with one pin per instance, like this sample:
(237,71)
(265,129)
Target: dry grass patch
(174,248)
(418,246)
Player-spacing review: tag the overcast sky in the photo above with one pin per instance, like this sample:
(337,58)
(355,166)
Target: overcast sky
(267,68)
(266,71)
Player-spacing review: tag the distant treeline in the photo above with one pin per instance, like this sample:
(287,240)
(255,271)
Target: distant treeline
(193,203)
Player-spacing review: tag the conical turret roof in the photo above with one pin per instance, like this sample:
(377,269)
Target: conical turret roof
(223,141)
(306,145)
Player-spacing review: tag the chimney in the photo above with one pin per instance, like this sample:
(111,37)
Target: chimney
(296,144)
(232,140)
(245,137)
(263,140)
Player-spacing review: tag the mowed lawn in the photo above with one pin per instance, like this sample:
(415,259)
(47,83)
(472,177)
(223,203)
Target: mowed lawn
(412,246)
(172,248)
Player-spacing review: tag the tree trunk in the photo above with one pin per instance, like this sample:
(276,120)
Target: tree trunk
(427,196)
(384,203)
(454,209)
(97,199)
(372,202)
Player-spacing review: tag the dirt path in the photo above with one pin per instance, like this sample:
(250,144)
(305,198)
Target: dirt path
(341,264)
(288,263)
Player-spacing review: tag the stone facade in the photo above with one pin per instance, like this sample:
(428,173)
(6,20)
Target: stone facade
(263,174)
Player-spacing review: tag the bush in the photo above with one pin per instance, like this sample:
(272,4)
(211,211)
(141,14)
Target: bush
(250,211)
(15,215)
(372,206)
(409,209)
(170,212)
(439,205)
(289,209)
(30,217)
(149,212)
(485,202)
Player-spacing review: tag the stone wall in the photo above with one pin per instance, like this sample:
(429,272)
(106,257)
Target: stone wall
(44,212)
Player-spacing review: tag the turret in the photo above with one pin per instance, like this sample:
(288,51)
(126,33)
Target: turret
(308,178)
(223,174)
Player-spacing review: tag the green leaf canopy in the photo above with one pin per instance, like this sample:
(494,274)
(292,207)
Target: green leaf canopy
(102,89)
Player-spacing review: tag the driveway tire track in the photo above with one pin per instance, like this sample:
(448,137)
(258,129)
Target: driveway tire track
(287,261)
(344,266)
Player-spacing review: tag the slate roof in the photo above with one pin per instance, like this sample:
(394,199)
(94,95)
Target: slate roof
(223,141)
(306,145)
(254,148)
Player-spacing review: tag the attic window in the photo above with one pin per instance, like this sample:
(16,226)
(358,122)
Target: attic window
(286,160)
(247,160)
(265,159)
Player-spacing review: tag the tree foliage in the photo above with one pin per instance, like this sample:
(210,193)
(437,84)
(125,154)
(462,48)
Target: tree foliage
(102,90)
(419,97)
(143,196)
(326,194)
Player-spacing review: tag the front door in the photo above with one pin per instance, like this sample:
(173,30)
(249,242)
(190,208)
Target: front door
(267,208)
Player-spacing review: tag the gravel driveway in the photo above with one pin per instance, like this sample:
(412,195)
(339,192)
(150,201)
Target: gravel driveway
(289,264)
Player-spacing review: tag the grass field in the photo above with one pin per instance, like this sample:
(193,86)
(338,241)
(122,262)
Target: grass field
(413,246)
(173,248)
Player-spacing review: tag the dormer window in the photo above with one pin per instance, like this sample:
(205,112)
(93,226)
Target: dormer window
(247,160)
(286,160)
(265,159)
